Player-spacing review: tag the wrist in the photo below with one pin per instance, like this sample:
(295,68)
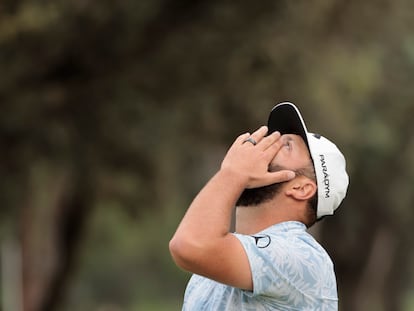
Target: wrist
(232,177)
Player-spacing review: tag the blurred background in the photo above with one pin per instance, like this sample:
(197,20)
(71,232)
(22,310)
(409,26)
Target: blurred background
(115,113)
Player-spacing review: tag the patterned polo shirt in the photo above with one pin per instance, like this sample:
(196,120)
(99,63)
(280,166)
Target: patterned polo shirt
(290,271)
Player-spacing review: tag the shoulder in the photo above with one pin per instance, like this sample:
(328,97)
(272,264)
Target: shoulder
(285,248)
(286,257)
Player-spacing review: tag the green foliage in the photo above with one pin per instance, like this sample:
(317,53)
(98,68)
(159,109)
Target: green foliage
(126,263)
(130,106)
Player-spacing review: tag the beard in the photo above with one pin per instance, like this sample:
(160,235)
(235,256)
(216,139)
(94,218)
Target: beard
(256,196)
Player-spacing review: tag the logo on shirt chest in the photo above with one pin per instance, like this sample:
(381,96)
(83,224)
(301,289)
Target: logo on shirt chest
(262,240)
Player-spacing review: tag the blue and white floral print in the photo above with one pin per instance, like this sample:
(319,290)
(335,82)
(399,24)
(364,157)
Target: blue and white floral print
(290,271)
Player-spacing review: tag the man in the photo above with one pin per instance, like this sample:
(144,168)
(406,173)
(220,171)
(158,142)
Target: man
(282,179)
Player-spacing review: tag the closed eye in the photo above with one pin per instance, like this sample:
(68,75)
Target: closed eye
(288,144)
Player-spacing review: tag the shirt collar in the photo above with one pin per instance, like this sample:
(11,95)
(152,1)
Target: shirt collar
(287,226)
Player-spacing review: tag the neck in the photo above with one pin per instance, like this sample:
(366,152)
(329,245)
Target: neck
(253,219)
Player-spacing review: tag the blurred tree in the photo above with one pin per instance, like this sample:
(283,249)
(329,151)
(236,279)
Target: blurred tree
(130,105)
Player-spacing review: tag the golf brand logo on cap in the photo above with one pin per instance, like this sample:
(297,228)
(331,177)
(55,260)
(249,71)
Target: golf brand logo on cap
(325,175)
(331,176)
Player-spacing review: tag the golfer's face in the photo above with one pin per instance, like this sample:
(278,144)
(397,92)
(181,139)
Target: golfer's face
(294,153)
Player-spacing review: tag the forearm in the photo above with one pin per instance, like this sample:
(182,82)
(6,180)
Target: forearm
(204,229)
(202,241)
(209,215)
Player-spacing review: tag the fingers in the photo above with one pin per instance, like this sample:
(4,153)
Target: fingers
(259,134)
(270,144)
(253,139)
(269,141)
(242,138)
(272,178)
(281,176)
(251,155)
(265,141)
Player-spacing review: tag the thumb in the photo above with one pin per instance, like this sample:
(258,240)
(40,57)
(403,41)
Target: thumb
(272,178)
(280,176)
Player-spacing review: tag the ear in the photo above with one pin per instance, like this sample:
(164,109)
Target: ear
(301,188)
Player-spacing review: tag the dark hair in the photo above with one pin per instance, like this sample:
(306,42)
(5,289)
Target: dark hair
(255,196)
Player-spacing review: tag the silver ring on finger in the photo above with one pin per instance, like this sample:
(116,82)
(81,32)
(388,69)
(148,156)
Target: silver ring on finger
(250,140)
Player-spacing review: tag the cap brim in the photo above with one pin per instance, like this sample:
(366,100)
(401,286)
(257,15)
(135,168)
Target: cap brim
(286,119)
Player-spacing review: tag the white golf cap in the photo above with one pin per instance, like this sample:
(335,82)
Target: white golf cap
(329,163)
